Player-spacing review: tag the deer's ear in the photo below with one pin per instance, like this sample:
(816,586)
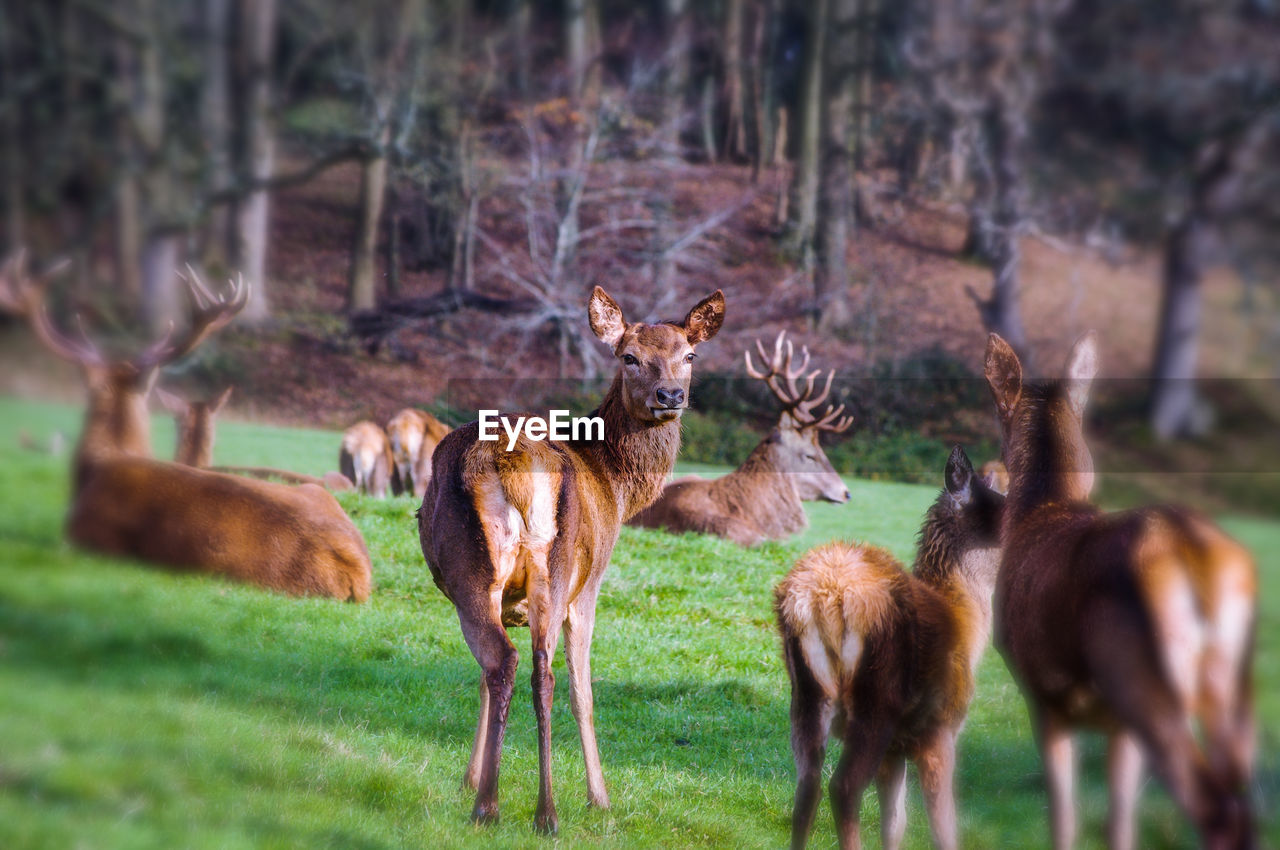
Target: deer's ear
(1082,365)
(220,400)
(606,317)
(958,478)
(1003,372)
(705,319)
(172,403)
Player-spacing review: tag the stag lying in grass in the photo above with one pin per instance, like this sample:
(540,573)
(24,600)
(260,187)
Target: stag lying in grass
(1138,623)
(527,534)
(886,659)
(292,539)
(414,435)
(196,428)
(365,458)
(761,499)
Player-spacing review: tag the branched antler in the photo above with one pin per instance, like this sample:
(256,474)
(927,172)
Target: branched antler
(780,377)
(23,296)
(211,313)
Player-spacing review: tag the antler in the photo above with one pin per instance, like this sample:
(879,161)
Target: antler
(211,313)
(21,296)
(781,378)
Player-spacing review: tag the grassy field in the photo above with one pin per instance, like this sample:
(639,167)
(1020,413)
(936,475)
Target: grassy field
(142,709)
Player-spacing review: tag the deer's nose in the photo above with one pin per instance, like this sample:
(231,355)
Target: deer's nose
(669,398)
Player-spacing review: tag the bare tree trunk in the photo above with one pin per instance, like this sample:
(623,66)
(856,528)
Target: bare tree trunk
(362,286)
(804,212)
(14,205)
(216,121)
(1219,170)
(160,281)
(735,133)
(253,216)
(761,77)
(831,277)
(128,237)
(582,44)
(676,85)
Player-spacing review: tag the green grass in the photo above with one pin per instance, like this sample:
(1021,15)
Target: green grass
(141,708)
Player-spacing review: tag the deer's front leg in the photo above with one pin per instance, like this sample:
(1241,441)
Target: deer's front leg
(578,628)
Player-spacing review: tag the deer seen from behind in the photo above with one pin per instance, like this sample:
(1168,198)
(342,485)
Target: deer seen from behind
(195,424)
(1138,623)
(414,435)
(292,539)
(365,458)
(525,535)
(761,499)
(886,659)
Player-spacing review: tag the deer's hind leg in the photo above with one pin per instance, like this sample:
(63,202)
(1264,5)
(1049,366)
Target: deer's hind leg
(546,615)
(498,658)
(812,709)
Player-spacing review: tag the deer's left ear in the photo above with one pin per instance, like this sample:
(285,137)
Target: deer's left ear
(1082,365)
(959,477)
(705,318)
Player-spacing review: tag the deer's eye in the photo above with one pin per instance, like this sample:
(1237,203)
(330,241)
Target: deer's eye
(688,358)
(630,360)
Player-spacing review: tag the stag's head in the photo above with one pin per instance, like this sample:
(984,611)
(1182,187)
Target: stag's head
(1041,425)
(656,360)
(794,442)
(116,419)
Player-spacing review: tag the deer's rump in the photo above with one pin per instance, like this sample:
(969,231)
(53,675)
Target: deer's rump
(1069,575)
(292,539)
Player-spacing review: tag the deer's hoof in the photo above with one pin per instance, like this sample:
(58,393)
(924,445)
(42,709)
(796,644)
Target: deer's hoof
(484,813)
(600,801)
(546,823)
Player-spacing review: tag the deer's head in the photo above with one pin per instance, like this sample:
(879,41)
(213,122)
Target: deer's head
(656,360)
(116,419)
(195,425)
(794,442)
(1042,425)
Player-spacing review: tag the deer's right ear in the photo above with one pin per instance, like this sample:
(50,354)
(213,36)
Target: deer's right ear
(172,403)
(959,477)
(1082,365)
(705,319)
(220,400)
(606,318)
(1003,371)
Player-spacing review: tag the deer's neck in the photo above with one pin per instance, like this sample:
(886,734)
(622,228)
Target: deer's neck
(1042,468)
(963,573)
(635,457)
(762,492)
(119,425)
(195,443)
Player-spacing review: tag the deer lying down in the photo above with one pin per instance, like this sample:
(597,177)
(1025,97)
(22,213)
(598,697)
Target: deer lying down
(887,659)
(293,539)
(528,533)
(761,499)
(365,458)
(414,435)
(1138,623)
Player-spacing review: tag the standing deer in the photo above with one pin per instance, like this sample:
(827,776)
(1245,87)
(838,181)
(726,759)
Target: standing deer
(761,499)
(527,534)
(365,458)
(1138,623)
(292,539)
(414,436)
(195,426)
(891,657)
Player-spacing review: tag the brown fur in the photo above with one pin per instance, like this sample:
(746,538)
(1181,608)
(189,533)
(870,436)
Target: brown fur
(414,435)
(525,536)
(293,539)
(1138,623)
(196,426)
(889,657)
(365,458)
(334,482)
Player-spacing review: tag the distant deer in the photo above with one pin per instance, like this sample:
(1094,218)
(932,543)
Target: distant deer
(761,499)
(195,426)
(527,534)
(890,657)
(414,436)
(365,458)
(292,539)
(1136,623)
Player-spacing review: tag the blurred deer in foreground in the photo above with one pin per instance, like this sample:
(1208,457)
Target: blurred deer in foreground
(292,539)
(761,499)
(887,660)
(1138,623)
(365,458)
(525,535)
(194,421)
(414,435)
